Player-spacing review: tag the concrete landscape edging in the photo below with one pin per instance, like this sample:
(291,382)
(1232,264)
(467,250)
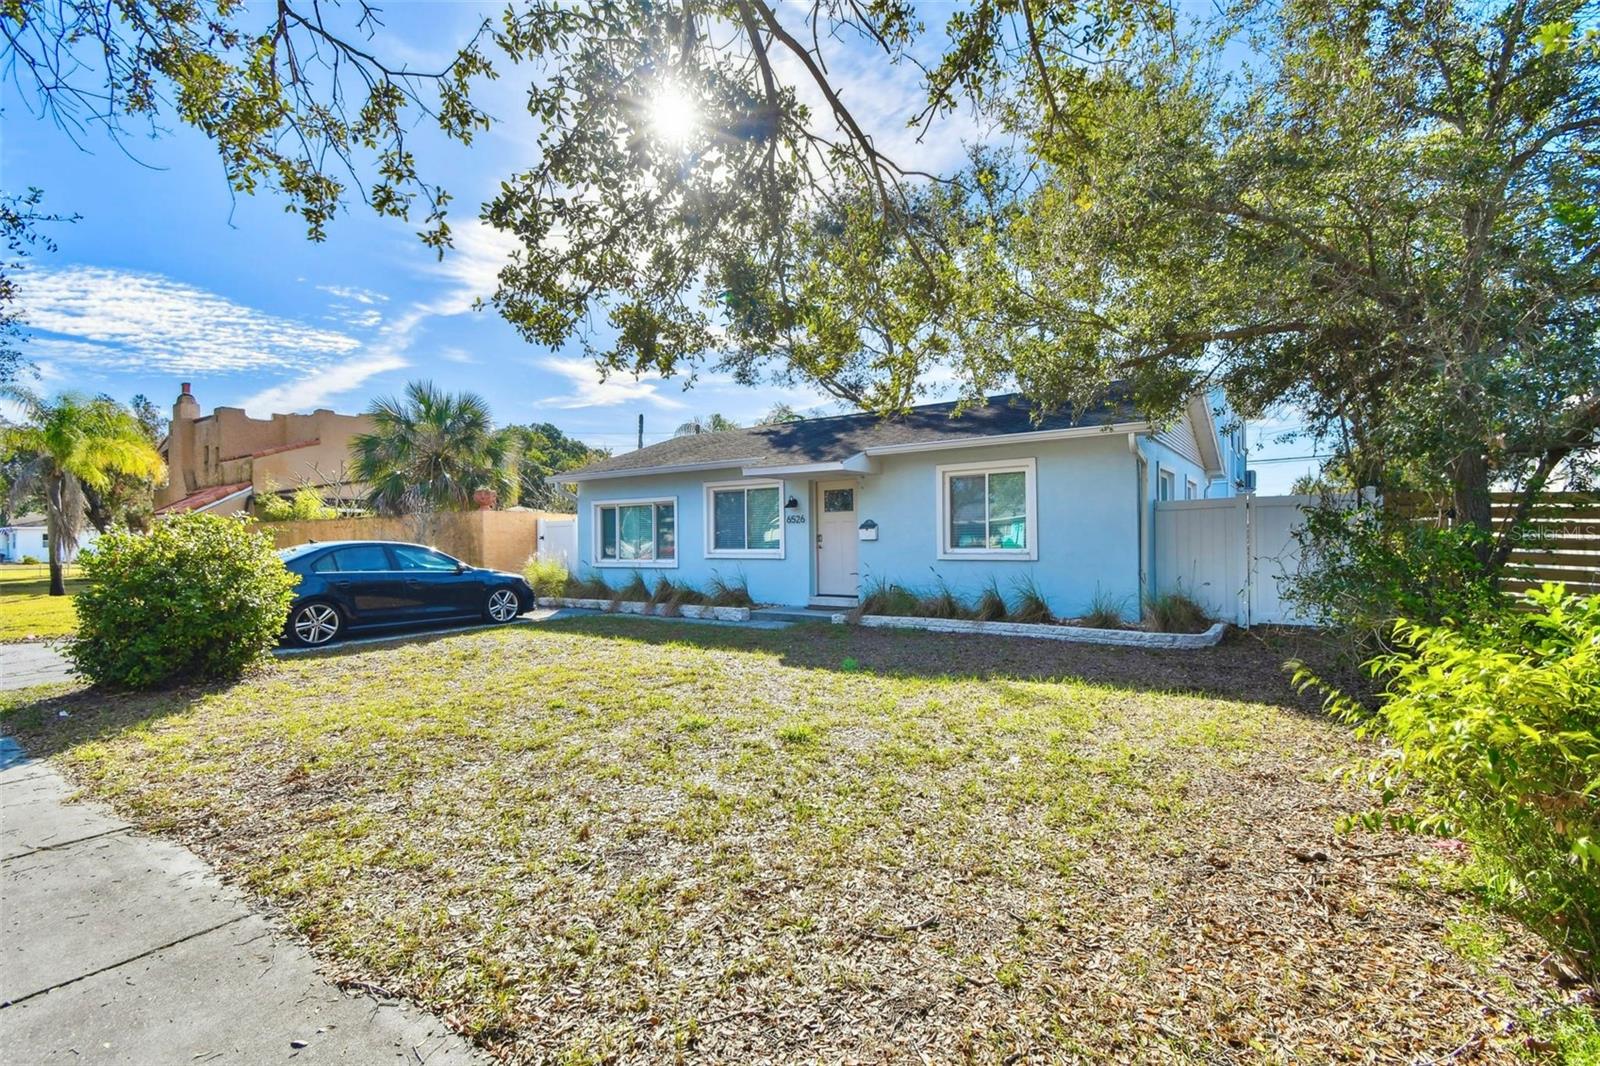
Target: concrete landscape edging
(687,610)
(1075,634)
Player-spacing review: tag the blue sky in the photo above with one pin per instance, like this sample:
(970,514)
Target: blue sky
(167,277)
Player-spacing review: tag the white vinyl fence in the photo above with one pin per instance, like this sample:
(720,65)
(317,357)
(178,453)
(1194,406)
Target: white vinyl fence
(1231,555)
(558,541)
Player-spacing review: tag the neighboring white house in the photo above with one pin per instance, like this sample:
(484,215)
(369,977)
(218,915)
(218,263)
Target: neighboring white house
(815,511)
(27,537)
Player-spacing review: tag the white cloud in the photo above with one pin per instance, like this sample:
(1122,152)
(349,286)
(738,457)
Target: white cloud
(472,266)
(320,386)
(316,390)
(590,391)
(114,318)
(468,272)
(457,355)
(354,294)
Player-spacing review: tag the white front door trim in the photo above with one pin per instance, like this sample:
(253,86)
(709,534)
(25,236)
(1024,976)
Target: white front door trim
(836,543)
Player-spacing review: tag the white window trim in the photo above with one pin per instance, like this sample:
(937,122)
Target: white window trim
(1191,489)
(1031,524)
(1168,478)
(713,552)
(595,559)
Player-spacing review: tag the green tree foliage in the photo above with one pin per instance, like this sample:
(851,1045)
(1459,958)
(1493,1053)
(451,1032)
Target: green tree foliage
(542,451)
(295,97)
(712,423)
(430,451)
(1389,225)
(67,445)
(305,505)
(779,414)
(127,499)
(20,222)
(198,598)
(1492,733)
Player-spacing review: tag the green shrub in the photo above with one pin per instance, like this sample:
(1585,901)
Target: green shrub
(893,601)
(1031,606)
(588,587)
(635,591)
(547,576)
(30,560)
(686,594)
(1492,734)
(941,603)
(304,506)
(1105,611)
(662,593)
(991,606)
(723,592)
(198,598)
(1176,612)
(1363,568)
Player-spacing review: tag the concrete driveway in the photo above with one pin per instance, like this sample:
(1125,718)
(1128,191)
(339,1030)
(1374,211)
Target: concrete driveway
(119,948)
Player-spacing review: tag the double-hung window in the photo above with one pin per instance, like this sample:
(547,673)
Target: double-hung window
(744,520)
(988,510)
(636,533)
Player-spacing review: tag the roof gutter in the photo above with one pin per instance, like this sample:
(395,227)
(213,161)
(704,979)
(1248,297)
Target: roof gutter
(1072,433)
(645,471)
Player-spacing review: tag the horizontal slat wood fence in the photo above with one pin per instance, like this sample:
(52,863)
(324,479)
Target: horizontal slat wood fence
(1560,540)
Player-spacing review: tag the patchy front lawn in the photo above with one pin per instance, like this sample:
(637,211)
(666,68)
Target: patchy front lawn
(27,610)
(624,839)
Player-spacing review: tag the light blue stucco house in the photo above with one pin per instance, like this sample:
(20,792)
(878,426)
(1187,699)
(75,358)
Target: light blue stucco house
(817,511)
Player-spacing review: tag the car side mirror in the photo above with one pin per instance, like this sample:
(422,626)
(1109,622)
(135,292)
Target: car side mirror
(462,568)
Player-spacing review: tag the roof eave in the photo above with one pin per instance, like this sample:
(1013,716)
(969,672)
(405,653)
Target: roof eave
(991,440)
(647,471)
(859,463)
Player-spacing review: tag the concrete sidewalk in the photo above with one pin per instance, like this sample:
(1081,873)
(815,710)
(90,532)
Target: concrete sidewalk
(120,948)
(32,663)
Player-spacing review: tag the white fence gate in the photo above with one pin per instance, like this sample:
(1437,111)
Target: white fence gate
(558,541)
(1231,555)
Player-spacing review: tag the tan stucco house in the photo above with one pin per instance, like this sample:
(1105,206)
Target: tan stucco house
(221,461)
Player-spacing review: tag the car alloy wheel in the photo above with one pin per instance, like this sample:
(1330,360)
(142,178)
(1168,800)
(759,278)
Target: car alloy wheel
(503,605)
(316,623)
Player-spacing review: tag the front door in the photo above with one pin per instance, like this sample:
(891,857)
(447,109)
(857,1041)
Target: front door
(838,543)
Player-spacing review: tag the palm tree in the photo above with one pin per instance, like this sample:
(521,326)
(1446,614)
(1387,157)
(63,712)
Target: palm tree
(430,452)
(66,445)
(712,423)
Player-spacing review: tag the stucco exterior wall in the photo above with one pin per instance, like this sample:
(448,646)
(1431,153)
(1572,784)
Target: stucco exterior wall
(217,449)
(785,580)
(1087,526)
(1087,499)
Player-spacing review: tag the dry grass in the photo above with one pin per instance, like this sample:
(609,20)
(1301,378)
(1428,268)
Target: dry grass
(27,610)
(625,840)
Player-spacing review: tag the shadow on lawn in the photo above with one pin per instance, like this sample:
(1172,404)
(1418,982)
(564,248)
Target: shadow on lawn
(56,723)
(1245,666)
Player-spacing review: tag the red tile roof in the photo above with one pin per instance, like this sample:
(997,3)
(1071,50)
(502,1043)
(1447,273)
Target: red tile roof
(199,501)
(291,446)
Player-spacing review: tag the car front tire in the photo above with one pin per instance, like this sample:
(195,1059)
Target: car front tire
(502,605)
(315,624)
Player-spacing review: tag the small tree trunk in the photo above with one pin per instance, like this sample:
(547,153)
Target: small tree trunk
(1470,496)
(55,490)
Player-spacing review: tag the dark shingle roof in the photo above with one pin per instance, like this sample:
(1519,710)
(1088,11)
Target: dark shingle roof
(834,439)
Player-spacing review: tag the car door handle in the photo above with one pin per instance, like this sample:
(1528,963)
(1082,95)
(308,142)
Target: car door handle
(340,584)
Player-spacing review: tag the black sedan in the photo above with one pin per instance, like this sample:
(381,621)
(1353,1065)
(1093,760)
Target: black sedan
(362,584)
